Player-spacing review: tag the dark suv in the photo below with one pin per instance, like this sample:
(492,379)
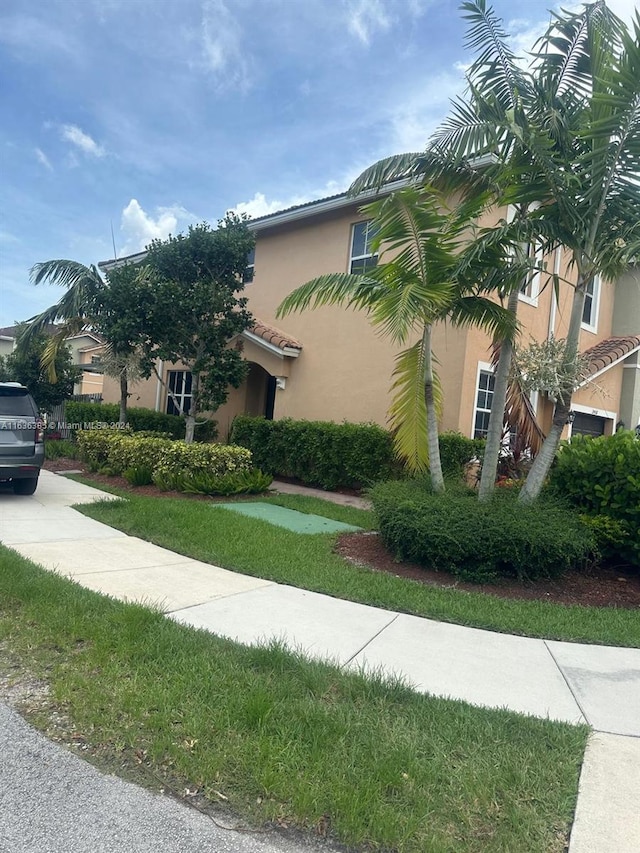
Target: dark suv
(21,438)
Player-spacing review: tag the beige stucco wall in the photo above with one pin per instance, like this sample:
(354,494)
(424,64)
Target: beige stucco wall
(344,370)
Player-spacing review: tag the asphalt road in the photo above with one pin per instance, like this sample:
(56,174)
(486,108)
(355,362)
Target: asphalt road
(51,801)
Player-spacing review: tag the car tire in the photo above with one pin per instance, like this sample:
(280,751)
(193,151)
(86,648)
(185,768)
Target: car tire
(25,486)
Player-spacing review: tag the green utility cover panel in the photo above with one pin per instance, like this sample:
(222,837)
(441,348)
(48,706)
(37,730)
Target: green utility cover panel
(291,519)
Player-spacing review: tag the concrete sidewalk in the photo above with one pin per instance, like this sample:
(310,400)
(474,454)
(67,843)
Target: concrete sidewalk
(571,682)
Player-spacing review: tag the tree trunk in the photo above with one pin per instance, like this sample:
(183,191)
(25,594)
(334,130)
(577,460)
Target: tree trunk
(435,465)
(542,463)
(191,414)
(124,395)
(498,405)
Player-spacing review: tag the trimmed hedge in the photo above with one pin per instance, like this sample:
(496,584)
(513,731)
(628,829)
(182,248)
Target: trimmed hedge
(330,455)
(601,477)
(480,542)
(167,460)
(138,419)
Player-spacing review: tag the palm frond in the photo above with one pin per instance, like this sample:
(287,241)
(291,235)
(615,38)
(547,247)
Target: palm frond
(519,413)
(408,411)
(396,168)
(496,68)
(355,291)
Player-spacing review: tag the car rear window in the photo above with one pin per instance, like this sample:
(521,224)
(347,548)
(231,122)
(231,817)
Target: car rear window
(15,402)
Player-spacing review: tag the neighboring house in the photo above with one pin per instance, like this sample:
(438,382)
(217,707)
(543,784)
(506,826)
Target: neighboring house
(84,347)
(329,364)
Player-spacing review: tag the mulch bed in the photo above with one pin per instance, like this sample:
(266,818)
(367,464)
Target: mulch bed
(601,587)
(604,586)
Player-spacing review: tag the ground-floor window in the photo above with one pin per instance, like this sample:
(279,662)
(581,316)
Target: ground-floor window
(179,382)
(484,398)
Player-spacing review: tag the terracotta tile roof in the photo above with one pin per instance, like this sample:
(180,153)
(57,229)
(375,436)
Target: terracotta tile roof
(605,353)
(10,331)
(273,336)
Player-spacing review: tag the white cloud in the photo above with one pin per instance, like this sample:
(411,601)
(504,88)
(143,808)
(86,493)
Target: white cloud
(139,227)
(260,206)
(73,134)
(223,50)
(365,17)
(43,159)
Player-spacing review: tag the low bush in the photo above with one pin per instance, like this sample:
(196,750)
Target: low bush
(138,419)
(59,448)
(94,445)
(169,464)
(481,542)
(141,475)
(332,456)
(249,482)
(601,477)
(318,453)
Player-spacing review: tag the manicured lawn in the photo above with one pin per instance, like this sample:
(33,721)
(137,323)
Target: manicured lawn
(198,529)
(282,738)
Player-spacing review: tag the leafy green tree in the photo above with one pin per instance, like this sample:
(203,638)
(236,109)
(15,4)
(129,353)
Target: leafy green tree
(194,282)
(24,365)
(564,134)
(420,278)
(113,306)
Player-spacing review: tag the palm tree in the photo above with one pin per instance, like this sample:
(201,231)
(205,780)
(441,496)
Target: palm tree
(86,305)
(566,135)
(423,281)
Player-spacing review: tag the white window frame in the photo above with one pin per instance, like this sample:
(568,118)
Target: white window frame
(182,396)
(363,257)
(250,268)
(595,307)
(483,367)
(532,279)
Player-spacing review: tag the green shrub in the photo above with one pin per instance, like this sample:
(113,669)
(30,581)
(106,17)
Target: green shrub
(141,475)
(234,483)
(138,419)
(457,451)
(128,450)
(480,542)
(609,534)
(601,476)
(60,448)
(94,445)
(318,453)
(333,456)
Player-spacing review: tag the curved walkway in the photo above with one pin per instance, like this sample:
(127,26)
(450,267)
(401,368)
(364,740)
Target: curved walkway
(571,682)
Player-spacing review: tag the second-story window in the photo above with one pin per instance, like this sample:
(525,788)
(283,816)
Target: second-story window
(250,268)
(590,309)
(362,258)
(530,286)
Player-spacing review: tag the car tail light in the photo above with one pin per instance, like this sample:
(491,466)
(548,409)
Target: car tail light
(39,432)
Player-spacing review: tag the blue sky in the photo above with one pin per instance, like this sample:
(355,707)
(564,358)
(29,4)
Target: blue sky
(147,115)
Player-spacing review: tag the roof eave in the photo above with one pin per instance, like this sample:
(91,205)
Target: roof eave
(604,369)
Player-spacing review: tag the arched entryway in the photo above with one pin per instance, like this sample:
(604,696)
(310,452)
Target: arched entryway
(261,392)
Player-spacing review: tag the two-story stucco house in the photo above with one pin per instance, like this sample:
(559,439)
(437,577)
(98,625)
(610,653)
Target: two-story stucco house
(329,364)
(86,351)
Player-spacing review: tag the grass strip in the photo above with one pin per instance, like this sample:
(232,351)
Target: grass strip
(200,530)
(287,740)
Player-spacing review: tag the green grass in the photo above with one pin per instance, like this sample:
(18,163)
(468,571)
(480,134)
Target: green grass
(197,529)
(282,738)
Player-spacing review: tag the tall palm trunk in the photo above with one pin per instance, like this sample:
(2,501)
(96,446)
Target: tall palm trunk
(498,406)
(435,465)
(542,463)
